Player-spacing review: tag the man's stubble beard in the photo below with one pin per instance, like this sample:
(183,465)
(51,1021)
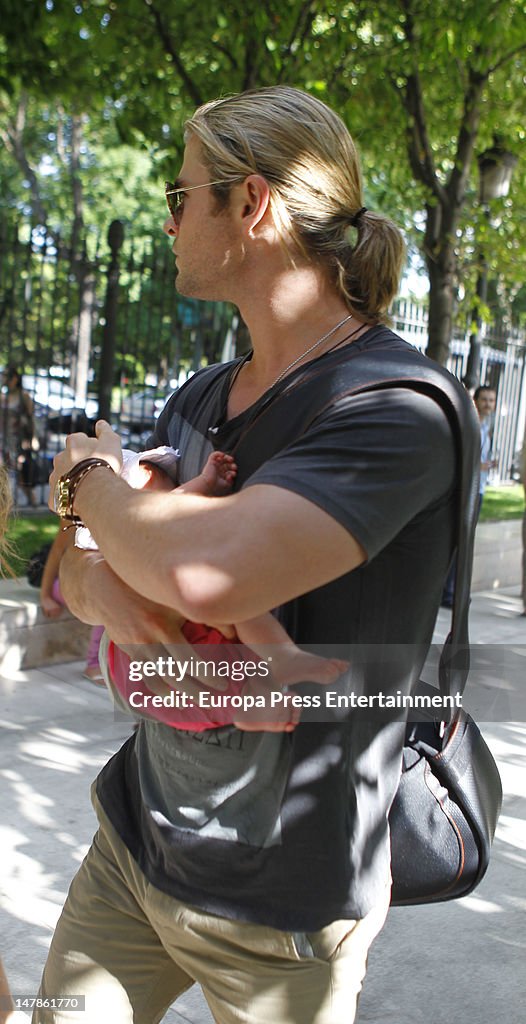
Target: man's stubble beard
(211,282)
(189,288)
(196,284)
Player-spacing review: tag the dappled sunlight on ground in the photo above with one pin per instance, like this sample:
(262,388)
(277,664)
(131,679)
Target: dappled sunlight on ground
(57,733)
(479,905)
(506,606)
(513,832)
(29,892)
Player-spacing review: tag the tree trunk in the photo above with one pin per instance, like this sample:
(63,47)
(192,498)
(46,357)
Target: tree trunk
(441,301)
(441,262)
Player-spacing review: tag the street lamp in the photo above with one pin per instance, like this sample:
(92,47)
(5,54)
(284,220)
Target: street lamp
(496,167)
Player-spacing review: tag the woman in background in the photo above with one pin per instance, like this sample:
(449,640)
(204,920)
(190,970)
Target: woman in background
(17,430)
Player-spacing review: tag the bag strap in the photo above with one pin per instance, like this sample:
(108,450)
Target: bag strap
(289,413)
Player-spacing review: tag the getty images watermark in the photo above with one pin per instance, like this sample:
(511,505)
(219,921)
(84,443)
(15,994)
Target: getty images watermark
(169,668)
(377,680)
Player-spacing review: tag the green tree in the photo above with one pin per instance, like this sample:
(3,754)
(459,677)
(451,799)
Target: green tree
(435,81)
(430,83)
(422,87)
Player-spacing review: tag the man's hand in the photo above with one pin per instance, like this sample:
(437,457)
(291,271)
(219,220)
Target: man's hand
(106,445)
(95,594)
(144,629)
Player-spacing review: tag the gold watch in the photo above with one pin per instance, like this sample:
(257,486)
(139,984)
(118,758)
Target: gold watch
(66,487)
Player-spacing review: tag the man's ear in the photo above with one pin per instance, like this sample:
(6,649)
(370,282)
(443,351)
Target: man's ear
(254,201)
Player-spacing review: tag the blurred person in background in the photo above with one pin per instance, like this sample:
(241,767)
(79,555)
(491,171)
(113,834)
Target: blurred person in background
(17,430)
(485,399)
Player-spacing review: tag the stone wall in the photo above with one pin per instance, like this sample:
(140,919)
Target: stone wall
(28,639)
(498,553)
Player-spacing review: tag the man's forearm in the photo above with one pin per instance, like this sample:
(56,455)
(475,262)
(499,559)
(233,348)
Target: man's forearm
(222,559)
(213,559)
(96,595)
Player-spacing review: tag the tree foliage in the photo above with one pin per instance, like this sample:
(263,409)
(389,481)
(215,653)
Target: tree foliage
(423,87)
(430,85)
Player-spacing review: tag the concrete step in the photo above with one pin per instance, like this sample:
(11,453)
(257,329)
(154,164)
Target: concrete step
(498,552)
(28,639)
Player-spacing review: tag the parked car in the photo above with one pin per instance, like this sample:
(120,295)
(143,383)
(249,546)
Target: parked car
(139,410)
(55,404)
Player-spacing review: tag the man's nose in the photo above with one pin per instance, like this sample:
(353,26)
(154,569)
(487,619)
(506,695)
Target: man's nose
(170,227)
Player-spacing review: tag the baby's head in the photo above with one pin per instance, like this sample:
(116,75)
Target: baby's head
(154,470)
(148,477)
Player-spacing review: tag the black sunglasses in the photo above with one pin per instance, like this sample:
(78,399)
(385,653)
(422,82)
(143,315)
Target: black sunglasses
(175,196)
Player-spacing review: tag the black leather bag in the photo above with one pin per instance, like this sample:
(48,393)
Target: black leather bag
(445,812)
(36,565)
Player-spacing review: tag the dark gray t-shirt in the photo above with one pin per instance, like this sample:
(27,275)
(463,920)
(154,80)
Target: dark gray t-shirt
(290,830)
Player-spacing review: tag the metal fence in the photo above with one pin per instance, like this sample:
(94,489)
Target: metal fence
(97,328)
(503,367)
(68,311)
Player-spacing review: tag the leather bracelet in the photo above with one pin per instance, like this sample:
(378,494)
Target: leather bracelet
(68,485)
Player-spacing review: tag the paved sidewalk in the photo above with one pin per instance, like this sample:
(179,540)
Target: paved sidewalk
(462,961)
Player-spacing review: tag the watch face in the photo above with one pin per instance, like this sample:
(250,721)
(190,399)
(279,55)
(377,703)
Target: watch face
(61,498)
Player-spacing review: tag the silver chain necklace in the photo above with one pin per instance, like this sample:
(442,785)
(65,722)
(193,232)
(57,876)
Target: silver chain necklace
(311,349)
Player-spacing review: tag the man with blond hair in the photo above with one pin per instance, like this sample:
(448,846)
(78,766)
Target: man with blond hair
(258,863)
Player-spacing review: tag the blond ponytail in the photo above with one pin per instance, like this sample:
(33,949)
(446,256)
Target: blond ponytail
(368,270)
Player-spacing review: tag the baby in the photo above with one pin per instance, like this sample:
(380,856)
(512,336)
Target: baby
(264,635)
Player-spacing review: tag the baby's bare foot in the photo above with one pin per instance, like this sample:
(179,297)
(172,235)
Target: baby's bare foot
(292,665)
(257,722)
(219,474)
(280,717)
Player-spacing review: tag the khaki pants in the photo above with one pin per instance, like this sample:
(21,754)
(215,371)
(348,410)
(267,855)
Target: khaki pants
(131,950)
